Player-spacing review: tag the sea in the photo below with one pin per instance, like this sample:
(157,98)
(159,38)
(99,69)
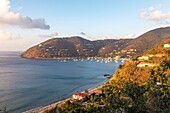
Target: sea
(29,83)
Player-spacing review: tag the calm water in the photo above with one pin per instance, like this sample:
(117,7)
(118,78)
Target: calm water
(28,83)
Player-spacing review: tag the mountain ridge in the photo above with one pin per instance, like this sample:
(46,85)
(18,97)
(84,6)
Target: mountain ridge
(76,46)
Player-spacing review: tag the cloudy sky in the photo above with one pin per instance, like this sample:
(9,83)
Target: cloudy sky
(24,23)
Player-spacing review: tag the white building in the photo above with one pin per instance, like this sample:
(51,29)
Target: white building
(117,57)
(145,65)
(166,45)
(79,96)
(143,58)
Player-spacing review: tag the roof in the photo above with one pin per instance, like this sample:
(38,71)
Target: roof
(166,45)
(98,91)
(80,94)
(143,57)
(146,64)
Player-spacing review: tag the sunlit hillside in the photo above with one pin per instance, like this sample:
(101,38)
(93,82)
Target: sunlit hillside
(141,85)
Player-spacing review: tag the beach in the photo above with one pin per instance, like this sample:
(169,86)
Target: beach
(42,82)
(56,104)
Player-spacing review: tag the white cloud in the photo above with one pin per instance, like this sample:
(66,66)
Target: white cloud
(8,17)
(8,36)
(53,35)
(155,14)
(127,36)
(5,36)
(152,8)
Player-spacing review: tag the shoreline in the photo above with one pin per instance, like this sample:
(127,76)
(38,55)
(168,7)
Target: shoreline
(52,105)
(72,58)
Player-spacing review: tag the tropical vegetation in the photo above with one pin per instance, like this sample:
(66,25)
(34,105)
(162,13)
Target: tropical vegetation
(132,89)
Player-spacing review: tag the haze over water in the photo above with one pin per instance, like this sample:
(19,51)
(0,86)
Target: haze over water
(30,83)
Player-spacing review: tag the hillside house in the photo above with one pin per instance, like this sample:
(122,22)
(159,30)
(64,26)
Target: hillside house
(132,50)
(157,55)
(79,96)
(98,92)
(143,58)
(145,65)
(117,57)
(166,45)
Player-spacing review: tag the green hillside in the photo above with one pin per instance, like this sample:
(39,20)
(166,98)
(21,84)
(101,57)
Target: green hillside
(141,85)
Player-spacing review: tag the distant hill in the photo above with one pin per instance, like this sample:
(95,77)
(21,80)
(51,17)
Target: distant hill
(140,44)
(113,47)
(139,68)
(160,49)
(67,47)
(76,46)
(149,39)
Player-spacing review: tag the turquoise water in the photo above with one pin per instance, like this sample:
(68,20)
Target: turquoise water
(30,83)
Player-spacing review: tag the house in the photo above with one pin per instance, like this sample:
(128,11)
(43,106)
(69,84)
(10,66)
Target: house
(98,92)
(162,84)
(132,50)
(117,57)
(143,58)
(40,45)
(158,83)
(79,96)
(166,45)
(157,55)
(145,65)
(123,51)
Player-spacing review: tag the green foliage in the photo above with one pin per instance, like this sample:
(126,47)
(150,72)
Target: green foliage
(120,66)
(165,64)
(168,52)
(86,91)
(132,90)
(132,98)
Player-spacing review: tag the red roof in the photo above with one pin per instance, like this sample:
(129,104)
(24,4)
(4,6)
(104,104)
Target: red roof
(98,91)
(80,94)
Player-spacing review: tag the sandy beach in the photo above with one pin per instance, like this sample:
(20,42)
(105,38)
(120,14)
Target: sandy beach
(42,109)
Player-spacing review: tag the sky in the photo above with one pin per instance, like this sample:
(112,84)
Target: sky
(24,23)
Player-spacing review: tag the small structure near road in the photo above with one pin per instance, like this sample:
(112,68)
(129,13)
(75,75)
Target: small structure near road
(166,45)
(146,65)
(98,92)
(79,96)
(143,58)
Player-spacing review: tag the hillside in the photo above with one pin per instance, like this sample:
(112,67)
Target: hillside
(69,47)
(141,44)
(141,85)
(76,46)
(141,66)
(149,39)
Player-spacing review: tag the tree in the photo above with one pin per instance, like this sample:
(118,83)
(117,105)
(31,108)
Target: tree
(135,93)
(86,91)
(165,64)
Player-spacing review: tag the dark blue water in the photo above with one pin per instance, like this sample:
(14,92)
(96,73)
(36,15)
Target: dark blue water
(28,83)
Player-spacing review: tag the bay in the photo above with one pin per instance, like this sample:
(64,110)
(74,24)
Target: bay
(30,83)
